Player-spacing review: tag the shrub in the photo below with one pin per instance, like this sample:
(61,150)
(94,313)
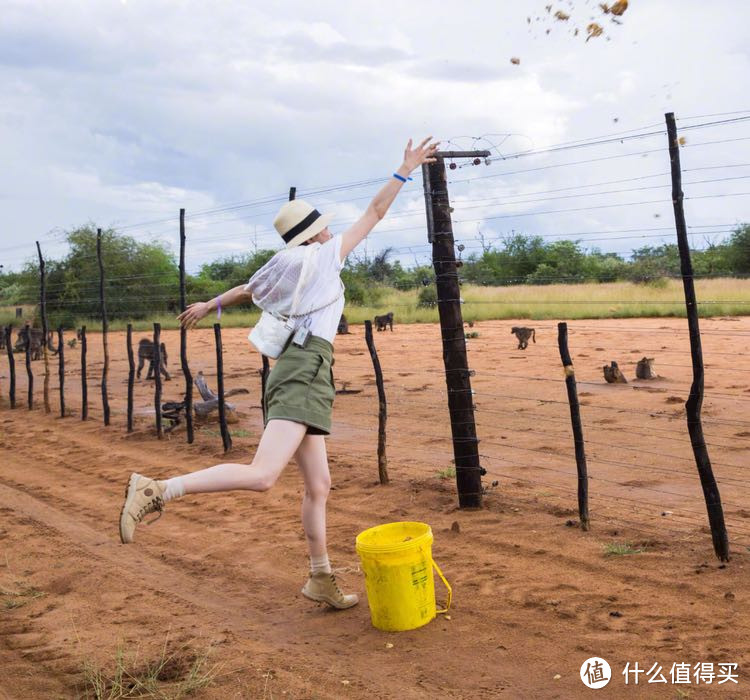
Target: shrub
(427,297)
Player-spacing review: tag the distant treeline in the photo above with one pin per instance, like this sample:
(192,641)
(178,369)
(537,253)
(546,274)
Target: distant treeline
(142,278)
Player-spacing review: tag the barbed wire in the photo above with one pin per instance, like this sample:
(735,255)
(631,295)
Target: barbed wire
(371,181)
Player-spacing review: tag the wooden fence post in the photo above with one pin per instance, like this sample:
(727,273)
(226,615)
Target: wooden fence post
(695,399)
(131,375)
(382,407)
(61,369)
(575,419)
(157,378)
(43,307)
(105,327)
(226,438)
(11,367)
(458,384)
(27,347)
(183,339)
(84,377)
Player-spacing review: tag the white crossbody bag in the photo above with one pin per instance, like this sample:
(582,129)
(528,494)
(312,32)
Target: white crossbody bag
(273,330)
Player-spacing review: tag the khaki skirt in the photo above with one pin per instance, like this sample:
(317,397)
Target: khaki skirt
(300,386)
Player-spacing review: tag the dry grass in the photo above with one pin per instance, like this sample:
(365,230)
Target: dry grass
(18,597)
(172,675)
(716,297)
(620,550)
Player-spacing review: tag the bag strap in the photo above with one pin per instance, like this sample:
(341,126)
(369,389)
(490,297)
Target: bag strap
(338,296)
(293,309)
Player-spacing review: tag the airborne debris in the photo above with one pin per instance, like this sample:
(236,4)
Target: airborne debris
(616,8)
(593,23)
(594,30)
(515,61)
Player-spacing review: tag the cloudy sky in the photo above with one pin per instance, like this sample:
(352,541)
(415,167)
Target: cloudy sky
(119,112)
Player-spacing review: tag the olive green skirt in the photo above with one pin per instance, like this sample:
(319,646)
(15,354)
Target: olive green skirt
(300,386)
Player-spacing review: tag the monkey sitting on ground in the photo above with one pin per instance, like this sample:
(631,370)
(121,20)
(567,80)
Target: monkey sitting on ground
(645,369)
(384,321)
(36,338)
(613,375)
(146,352)
(523,334)
(343,328)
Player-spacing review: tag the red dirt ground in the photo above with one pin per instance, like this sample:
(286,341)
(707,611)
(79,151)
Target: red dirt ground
(534,596)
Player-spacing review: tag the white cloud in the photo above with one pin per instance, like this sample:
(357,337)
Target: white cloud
(158,105)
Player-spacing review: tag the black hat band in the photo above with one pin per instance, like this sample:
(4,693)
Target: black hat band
(314,215)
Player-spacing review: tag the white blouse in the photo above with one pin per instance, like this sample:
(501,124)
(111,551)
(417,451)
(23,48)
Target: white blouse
(273,286)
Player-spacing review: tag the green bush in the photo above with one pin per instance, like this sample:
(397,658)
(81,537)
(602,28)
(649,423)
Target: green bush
(427,297)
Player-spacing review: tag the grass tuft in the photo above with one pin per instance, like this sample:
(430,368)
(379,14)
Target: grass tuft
(173,675)
(448,473)
(614,549)
(12,599)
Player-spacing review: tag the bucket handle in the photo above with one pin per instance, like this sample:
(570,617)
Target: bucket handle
(447,585)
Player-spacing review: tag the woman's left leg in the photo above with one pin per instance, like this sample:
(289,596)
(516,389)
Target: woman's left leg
(312,460)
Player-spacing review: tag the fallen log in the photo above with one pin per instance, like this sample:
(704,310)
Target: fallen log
(173,411)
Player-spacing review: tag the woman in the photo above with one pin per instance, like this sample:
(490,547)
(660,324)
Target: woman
(300,392)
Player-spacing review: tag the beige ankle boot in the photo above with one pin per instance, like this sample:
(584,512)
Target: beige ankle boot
(142,496)
(322,587)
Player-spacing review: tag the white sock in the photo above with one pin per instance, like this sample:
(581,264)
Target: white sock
(320,564)
(175,488)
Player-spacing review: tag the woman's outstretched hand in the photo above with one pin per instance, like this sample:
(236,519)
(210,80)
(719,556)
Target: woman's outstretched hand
(192,314)
(424,153)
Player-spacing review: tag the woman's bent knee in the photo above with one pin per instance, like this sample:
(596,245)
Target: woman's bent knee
(319,490)
(265,482)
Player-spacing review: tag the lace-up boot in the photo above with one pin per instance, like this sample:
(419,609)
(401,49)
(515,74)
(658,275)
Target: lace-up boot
(142,496)
(322,587)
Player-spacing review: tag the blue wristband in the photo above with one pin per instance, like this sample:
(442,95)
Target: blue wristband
(401,177)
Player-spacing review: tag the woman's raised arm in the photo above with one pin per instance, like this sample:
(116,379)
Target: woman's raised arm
(376,210)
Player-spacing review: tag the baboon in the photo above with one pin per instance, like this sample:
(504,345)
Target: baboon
(35,338)
(343,328)
(613,375)
(146,352)
(523,334)
(645,369)
(384,321)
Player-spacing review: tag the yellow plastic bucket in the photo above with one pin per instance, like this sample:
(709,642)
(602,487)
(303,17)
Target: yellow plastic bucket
(397,563)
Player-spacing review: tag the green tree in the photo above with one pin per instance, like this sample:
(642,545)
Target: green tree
(649,262)
(234,270)
(738,250)
(141,279)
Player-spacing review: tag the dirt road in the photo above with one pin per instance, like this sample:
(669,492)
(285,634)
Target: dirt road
(533,596)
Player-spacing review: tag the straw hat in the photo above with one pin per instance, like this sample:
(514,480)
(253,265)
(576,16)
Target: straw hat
(297,222)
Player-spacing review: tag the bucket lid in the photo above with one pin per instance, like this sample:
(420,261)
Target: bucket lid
(394,537)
